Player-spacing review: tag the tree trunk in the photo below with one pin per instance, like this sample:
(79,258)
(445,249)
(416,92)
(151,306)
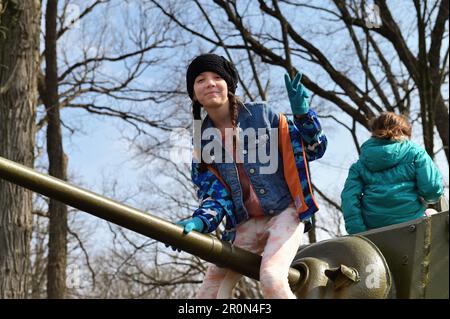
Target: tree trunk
(57,242)
(19,64)
(441,119)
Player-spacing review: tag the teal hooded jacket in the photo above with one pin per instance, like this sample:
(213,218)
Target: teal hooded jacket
(388,185)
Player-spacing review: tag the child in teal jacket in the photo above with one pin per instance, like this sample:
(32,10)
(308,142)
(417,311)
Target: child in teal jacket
(392,180)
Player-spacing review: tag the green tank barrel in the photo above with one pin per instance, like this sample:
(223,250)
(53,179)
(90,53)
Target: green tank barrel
(207,247)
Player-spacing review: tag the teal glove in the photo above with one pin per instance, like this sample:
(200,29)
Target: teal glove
(192,224)
(298,96)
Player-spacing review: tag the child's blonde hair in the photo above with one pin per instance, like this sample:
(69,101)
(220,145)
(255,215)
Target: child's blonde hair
(389,125)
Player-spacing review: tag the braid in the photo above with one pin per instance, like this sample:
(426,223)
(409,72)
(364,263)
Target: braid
(235,106)
(196,107)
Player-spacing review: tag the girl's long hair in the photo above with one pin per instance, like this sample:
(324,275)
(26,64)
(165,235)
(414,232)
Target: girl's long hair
(235,106)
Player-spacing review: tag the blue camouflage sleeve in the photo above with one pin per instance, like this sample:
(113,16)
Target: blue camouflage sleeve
(215,200)
(309,129)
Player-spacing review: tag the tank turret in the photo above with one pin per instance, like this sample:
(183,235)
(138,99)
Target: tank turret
(408,260)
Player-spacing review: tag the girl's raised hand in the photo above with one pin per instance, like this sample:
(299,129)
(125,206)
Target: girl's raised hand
(298,96)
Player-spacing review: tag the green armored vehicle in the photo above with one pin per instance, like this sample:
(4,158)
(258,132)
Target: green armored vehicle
(408,260)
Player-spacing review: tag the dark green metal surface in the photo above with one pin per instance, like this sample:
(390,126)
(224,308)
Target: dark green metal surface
(342,268)
(417,254)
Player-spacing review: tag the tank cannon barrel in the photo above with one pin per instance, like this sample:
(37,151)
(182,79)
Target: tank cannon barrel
(411,257)
(207,247)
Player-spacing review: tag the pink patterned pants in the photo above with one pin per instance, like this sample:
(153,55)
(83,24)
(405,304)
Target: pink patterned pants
(277,239)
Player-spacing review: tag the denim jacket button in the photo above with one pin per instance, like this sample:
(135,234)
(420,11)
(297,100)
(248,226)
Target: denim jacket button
(252,170)
(262,191)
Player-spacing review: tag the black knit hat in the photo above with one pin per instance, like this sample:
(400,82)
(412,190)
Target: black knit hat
(213,63)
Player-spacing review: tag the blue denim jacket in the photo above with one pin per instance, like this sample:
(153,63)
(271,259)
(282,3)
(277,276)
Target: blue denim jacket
(219,200)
